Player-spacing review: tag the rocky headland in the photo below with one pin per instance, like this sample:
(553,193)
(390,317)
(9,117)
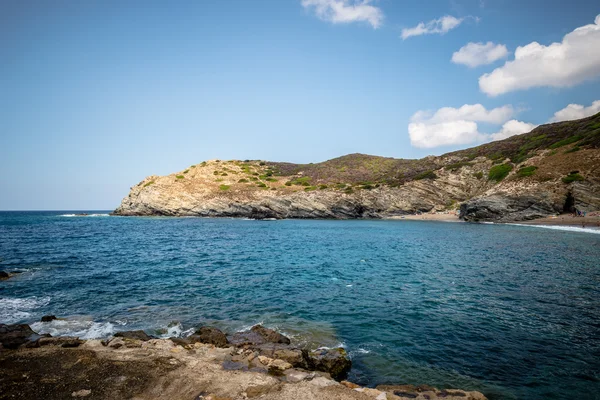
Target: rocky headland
(209,365)
(553,169)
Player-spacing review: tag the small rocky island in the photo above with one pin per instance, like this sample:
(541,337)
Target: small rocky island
(553,169)
(208,365)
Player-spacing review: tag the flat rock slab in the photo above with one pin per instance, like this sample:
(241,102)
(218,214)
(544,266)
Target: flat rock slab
(54,373)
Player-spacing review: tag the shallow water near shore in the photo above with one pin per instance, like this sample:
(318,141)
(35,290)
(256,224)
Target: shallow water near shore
(511,311)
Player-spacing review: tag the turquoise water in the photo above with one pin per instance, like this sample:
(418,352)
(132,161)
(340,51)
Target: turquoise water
(511,311)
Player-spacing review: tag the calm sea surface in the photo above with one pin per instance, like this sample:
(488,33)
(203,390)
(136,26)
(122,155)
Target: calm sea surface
(511,311)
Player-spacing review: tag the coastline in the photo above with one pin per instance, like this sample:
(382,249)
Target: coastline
(259,363)
(589,221)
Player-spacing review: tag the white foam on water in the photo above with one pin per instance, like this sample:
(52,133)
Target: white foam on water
(175,329)
(13,310)
(363,351)
(83,327)
(87,215)
(341,344)
(563,228)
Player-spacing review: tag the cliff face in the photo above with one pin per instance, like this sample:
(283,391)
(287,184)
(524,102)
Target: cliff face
(553,168)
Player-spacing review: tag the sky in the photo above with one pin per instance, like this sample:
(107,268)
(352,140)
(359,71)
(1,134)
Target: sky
(96,95)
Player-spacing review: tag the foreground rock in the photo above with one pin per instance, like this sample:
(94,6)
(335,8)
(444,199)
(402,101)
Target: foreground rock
(160,369)
(13,336)
(210,335)
(334,361)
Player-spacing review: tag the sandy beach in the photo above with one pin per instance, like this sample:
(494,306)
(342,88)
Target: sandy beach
(450,216)
(592,220)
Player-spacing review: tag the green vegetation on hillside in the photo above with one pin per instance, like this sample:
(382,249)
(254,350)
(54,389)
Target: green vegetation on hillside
(526,171)
(572,177)
(499,172)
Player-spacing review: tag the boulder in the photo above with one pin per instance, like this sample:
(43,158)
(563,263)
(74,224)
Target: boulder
(334,361)
(48,318)
(139,335)
(284,352)
(269,335)
(13,336)
(256,336)
(210,335)
(4,275)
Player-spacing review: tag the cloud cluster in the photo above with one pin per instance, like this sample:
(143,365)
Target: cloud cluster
(568,63)
(458,126)
(346,11)
(476,54)
(576,111)
(512,128)
(441,25)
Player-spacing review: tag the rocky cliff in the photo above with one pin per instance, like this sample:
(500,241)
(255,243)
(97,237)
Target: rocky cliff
(551,169)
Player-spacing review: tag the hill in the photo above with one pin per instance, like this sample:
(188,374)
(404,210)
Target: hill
(551,169)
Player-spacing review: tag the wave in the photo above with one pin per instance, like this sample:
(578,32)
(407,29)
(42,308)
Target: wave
(82,326)
(174,329)
(563,228)
(84,215)
(13,310)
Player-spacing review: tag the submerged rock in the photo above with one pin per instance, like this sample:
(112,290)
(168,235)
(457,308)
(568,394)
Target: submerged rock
(428,392)
(4,275)
(48,318)
(334,361)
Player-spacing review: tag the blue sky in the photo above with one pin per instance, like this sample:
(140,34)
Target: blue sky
(96,95)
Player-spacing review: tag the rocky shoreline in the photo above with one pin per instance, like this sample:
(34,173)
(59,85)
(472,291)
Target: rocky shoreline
(258,363)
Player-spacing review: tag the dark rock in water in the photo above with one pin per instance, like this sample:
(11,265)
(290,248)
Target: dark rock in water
(256,336)
(139,335)
(13,336)
(4,275)
(283,352)
(269,335)
(334,361)
(64,341)
(210,335)
(48,318)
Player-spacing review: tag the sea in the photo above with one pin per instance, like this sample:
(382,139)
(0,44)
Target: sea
(511,311)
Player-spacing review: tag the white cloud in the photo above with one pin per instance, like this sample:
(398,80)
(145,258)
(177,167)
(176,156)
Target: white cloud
(476,54)
(441,25)
(512,128)
(573,61)
(576,111)
(454,126)
(346,11)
